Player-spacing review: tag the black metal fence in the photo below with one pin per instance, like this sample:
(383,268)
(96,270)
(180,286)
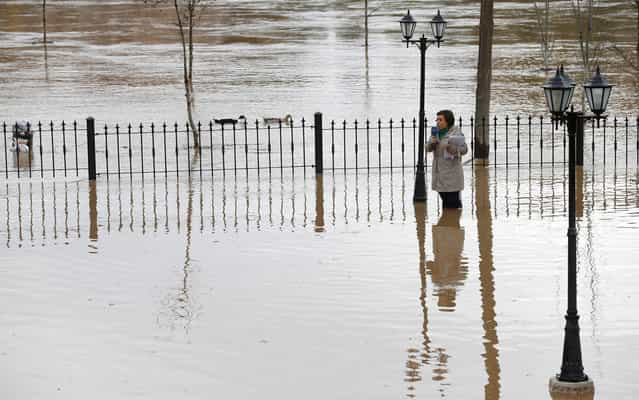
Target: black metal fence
(155,150)
(54,150)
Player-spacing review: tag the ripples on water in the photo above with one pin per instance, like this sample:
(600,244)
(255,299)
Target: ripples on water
(119,61)
(246,280)
(56,209)
(292,287)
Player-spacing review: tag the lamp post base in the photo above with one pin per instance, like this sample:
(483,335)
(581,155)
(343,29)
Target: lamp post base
(419,195)
(571,390)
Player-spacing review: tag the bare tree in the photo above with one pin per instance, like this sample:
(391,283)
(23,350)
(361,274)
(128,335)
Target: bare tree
(484,79)
(546,37)
(589,47)
(44,22)
(631,61)
(187,13)
(637,49)
(44,39)
(367,14)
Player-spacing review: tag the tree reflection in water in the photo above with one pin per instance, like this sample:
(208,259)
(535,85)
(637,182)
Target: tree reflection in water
(487,281)
(244,202)
(180,308)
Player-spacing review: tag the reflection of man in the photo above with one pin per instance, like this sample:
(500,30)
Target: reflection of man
(446,270)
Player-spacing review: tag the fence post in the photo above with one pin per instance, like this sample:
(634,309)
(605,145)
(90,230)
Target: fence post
(319,154)
(91,147)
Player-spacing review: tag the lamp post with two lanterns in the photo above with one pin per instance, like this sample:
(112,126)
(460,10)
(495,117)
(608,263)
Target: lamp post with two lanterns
(558,92)
(438,27)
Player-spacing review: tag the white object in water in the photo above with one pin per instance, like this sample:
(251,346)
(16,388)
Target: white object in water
(19,147)
(287,120)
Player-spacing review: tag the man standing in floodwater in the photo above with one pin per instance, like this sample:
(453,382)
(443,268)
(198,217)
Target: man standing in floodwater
(448,146)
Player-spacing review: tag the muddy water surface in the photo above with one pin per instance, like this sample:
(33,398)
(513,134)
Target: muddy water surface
(120,61)
(289,287)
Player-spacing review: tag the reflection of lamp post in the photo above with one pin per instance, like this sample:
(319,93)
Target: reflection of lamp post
(319,203)
(438,26)
(558,91)
(93,212)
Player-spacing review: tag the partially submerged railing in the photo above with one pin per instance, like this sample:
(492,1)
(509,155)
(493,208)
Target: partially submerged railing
(155,150)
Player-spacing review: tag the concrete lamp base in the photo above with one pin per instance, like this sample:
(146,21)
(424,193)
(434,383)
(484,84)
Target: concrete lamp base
(571,390)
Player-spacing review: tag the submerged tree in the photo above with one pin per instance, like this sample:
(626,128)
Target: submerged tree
(44,22)
(637,49)
(484,79)
(631,61)
(367,14)
(546,38)
(589,47)
(187,14)
(44,39)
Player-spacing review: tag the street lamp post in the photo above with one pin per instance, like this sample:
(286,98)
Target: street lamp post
(438,27)
(558,92)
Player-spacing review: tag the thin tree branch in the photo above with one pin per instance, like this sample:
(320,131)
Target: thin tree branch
(374,10)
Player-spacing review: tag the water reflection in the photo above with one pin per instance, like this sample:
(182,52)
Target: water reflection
(433,359)
(448,269)
(246,204)
(93,212)
(22,161)
(180,308)
(579,192)
(319,203)
(419,357)
(485,240)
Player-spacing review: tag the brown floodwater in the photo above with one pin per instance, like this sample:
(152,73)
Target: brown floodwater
(283,285)
(291,286)
(120,61)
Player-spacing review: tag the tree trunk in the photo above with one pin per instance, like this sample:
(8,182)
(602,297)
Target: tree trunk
(187,61)
(44,22)
(366,23)
(545,33)
(484,78)
(44,39)
(547,30)
(584,24)
(194,128)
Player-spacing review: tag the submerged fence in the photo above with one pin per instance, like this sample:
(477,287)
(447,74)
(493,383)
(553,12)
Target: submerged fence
(54,212)
(118,151)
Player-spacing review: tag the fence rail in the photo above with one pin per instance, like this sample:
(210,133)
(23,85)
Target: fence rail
(116,151)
